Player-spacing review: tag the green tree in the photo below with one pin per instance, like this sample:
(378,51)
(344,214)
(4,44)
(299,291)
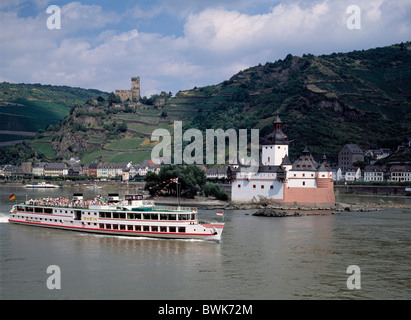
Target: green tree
(190,180)
(214,190)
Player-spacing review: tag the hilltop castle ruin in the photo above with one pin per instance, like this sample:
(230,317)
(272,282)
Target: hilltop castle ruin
(130,94)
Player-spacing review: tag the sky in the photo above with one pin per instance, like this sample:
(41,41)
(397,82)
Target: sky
(176,45)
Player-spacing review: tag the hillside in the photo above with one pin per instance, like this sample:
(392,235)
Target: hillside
(361,97)
(27,108)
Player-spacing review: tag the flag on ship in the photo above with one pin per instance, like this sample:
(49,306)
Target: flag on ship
(12,197)
(220,213)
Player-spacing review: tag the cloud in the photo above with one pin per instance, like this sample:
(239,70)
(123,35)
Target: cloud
(98,47)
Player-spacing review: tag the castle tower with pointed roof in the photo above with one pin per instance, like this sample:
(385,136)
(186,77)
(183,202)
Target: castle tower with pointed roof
(275,146)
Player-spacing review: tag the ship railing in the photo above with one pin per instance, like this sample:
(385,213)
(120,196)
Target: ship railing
(174,208)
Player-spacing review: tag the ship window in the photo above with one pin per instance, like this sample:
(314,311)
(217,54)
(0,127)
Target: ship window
(154,229)
(154,216)
(146,228)
(48,210)
(29,209)
(239,185)
(115,226)
(254,186)
(101,225)
(163,229)
(146,216)
(137,228)
(183,216)
(303,183)
(262,186)
(108,226)
(172,229)
(122,215)
(172,217)
(271,187)
(163,216)
(181,229)
(122,227)
(38,210)
(115,215)
(193,216)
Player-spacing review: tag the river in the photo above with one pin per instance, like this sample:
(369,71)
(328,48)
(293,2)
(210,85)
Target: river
(303,257)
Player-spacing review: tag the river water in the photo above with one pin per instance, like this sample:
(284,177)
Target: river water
(259,258)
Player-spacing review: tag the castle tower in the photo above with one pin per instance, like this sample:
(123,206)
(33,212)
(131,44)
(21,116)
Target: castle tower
(275,148)
(324,175)
(135,87)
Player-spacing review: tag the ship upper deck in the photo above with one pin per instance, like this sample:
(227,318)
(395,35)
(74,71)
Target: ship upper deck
(102,203)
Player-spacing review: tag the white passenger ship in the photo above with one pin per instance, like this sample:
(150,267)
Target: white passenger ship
(133,216)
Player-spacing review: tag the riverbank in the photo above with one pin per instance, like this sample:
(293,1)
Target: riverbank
(204,203)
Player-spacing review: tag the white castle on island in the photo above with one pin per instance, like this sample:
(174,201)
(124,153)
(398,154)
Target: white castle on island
(304,182)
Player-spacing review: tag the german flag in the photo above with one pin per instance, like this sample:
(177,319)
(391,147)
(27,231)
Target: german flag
(12,197)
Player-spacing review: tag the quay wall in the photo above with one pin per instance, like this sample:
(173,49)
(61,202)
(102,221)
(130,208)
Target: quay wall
(367,189)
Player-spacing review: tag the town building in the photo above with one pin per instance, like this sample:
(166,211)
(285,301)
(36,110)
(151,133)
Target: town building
(400,173)
(348,155)
(216,173)
(303,182)
(375,173)
(353,174)
(55,169)
(377,154)
(38,168)
(337,174)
